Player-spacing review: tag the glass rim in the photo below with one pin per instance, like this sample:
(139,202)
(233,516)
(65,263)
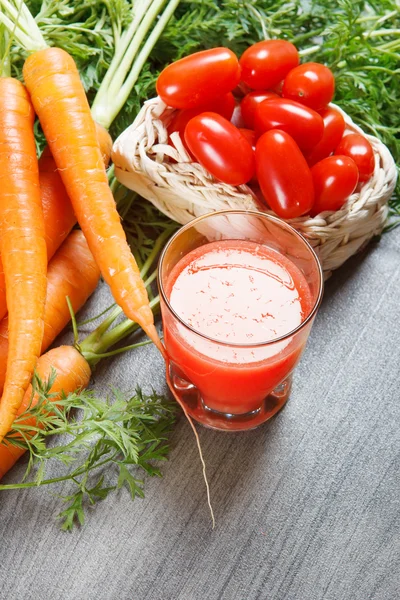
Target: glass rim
(264,215)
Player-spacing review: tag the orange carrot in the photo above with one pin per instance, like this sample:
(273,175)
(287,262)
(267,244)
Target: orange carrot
(72,373)
(58,214)
(3,300)
(60,102)
(22,244)
(72,272)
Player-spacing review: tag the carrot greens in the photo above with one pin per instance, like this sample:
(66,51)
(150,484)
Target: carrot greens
(102,445)
(359,40)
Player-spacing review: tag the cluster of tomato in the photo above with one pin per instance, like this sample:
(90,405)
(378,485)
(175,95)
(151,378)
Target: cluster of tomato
(275,130)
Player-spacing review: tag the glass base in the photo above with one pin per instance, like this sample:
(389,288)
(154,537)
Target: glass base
(190,395)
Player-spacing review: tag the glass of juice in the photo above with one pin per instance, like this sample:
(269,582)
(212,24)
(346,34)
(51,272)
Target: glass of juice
(239,293)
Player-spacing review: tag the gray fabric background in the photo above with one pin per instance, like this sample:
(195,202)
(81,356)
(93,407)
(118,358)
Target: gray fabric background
(307,506)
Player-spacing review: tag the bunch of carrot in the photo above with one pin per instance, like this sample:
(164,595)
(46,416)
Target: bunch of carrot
(39,204)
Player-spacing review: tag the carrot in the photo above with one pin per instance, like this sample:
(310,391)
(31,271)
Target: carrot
(3,300)
(72,272)
(48,165)
(60,102)
(72,373)
(22,244)
(58,214)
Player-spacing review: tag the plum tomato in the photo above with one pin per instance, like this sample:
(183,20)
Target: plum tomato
(303,124)
(196,79)
(250,103)
(179,122)
(266,63)
(283,175)
(224,106)
(312,84)
(335,178)
(220,148)
(237,117)
(250,136)
(333,132)
(358,148)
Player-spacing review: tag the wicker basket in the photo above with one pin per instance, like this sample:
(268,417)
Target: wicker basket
(181,189)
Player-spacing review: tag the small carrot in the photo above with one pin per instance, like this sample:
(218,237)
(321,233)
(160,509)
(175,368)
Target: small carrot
(72,373)
(22,244)
(60,102)
(72,272)
(58,214)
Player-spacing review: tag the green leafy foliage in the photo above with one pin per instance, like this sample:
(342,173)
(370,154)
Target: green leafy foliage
(358,39)
(101,445)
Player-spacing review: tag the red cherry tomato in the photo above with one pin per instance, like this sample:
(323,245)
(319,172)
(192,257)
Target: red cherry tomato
(266,63)
(333,132)
(220,148)
(250,103)
(250,136)
(224,106)
(237,117)
(198,78)
(311,84)
(360,150)
(335,178)
(304,125)
(283,174)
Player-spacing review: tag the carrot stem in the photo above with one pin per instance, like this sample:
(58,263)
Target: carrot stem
(103,312)
(95,347)
(124,41)
(17,18)
(127,64)
(158,245)
(95,357)
(81,471)
(73,321)
(144,53)
(93,339)
(5,45)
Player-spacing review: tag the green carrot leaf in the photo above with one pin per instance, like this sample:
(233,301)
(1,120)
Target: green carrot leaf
(74,513)
(100,445)
(125,478)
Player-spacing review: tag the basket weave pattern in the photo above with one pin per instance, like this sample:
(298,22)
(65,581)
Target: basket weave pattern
(165,175)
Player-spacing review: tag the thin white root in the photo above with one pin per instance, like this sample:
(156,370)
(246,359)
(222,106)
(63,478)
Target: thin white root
(196,435)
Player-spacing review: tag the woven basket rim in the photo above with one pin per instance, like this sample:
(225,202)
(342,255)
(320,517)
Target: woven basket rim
(140,153)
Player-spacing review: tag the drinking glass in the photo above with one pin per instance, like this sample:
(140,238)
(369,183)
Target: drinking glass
(225,395)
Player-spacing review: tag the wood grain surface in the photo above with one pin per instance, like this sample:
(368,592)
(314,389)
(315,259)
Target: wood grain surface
(307,506)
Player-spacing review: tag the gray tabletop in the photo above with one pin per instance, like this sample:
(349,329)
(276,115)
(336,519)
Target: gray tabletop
(307,506)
